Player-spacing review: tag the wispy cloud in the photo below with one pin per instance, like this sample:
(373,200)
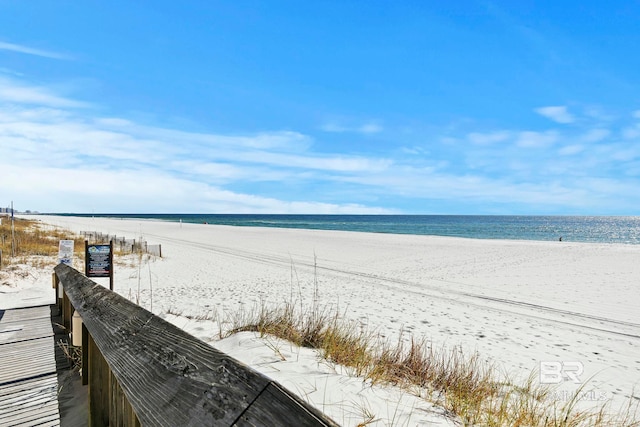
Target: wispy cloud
(59,155)
(14,92)
(571,150)
(632,132)
(366,128)
(31,51)
(489,138)
(558,114)
(595,135)
(137,165)
(529,139)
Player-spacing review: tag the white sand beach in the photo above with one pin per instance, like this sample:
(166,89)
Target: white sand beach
(517,303)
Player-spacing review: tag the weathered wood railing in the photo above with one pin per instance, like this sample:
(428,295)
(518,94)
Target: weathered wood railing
(144,371)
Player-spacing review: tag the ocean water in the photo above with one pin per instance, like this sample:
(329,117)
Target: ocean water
(600,229)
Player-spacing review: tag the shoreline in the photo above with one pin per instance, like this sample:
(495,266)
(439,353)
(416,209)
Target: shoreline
(516,302)
(545,228)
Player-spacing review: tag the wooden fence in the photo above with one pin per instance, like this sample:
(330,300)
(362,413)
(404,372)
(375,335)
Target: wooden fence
(144,371)
(123,244)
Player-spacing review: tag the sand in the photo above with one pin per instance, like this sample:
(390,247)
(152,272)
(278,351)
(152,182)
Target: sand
(575,307)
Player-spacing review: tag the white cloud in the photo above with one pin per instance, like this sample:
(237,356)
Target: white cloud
(10,72)
(558,114)
(13,92)
(571,150)
(103,190)
(488,138)
(333,127)
(529,139)
(31,51)
(114,121)
(276,140)
(596,135)
(370,128)
(631,132)
(53,156)
(86,161)
(366,128)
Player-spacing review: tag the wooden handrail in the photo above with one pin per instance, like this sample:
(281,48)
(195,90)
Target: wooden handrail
(145,371)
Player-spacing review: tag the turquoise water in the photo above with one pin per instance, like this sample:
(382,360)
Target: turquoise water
(598,229)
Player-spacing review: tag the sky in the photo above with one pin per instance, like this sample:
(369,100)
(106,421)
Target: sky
(322,107)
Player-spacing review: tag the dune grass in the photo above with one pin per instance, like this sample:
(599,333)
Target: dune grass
(35,243)
(32,241)
(463,383)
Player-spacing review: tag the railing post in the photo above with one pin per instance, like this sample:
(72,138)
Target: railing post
(76,329)
(99,387)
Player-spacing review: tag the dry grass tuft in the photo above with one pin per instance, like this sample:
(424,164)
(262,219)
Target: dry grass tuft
(33,243)
(462,383)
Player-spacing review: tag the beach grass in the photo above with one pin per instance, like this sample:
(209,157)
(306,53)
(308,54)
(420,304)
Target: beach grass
(35,243)
(32,242)
(463,383)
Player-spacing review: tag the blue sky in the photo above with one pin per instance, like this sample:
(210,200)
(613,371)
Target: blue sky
(425,107)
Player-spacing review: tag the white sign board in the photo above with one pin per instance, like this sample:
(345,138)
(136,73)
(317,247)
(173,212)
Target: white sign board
(65,252)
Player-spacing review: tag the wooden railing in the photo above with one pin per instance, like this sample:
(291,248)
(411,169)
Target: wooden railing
(144,371)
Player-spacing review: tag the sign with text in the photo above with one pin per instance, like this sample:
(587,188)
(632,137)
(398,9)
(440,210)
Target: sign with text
(65,252)
(99,260)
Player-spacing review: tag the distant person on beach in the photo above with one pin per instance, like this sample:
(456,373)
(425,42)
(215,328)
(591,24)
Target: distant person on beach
(560,239)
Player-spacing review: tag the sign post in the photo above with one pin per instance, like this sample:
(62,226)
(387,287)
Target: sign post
(99,261)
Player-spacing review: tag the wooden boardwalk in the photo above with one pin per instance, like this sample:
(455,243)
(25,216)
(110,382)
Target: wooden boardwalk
(28,379)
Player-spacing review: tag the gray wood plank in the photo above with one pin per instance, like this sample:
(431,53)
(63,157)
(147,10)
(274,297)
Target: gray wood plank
(25,323)
(27,313)
(28,379)
(26,359)
(275,403)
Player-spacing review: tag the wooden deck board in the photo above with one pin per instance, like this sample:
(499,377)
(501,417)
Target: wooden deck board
(22,324)
(28,313)
(28,378)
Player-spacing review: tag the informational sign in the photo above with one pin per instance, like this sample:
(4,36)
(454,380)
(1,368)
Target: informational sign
(65,252)
(98,261)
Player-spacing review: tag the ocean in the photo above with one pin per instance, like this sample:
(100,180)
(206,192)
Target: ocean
(597,229)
